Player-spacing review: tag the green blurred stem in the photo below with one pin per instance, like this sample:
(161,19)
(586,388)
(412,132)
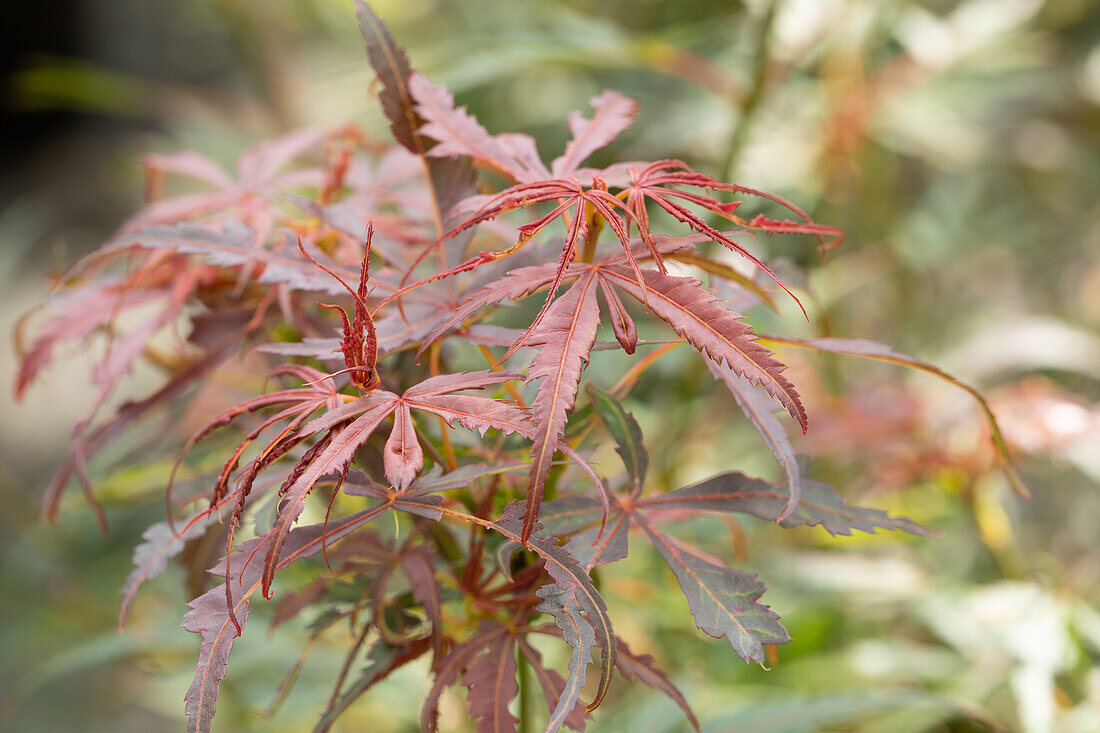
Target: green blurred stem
(751,101)
(524,681)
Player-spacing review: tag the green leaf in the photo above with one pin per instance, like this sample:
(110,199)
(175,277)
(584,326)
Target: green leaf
(625,431)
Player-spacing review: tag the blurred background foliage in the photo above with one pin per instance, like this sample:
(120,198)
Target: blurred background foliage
(956,141)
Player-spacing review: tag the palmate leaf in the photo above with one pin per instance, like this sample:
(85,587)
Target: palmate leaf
(457,133)
(819,505)
(722,600)
(260,182)
(661,183)
(602,543)
(515,155)
(364,415)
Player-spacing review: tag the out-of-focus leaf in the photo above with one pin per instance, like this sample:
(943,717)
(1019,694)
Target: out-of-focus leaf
(491,678)
(881,352)
(625,431)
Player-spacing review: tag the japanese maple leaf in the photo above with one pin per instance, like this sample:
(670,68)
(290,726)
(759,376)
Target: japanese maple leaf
(577,194)
(349,426)
(572,195)
(260,181)
(566,336)
(659,182)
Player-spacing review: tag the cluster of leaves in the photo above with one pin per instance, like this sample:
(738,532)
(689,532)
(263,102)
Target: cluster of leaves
(481,575)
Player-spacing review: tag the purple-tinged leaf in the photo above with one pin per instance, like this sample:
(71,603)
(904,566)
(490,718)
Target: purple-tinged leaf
(758,409)
(563,605)
(591,542)
(461,477)
(563,568)
(211,618)
(404,458)
(570,513)
(614,113)
(444,383)
(152,555)
(349,411)
(396,332)
(451,666)
(711,328)
(491,679)
(600,545)
(564,340)
(723,601)
(490,335)
(391,64)
(477,413)
(819,505)
(553,686)
(418,569)
(333,459)
(234,245)
(577,592)
(643,667)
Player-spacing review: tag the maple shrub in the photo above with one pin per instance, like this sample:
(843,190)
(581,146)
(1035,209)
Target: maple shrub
(496,521)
